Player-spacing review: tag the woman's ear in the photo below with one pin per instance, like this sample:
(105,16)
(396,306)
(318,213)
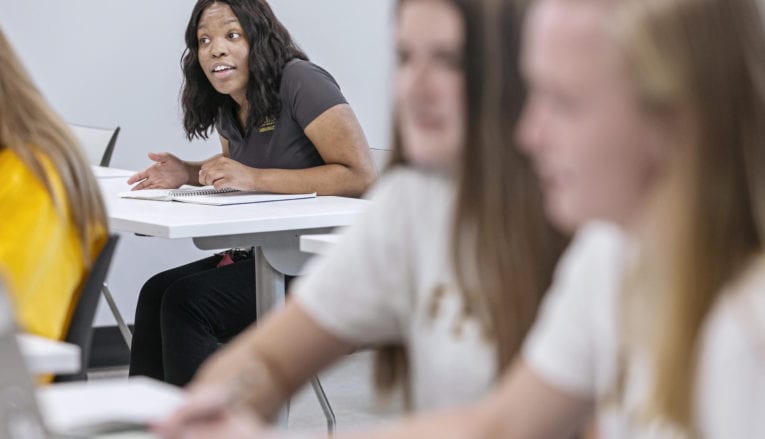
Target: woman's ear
(668,133)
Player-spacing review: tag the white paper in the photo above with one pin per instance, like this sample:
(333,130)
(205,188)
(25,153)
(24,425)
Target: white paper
(241,198)
(148,194)
(173,194)
(208,195)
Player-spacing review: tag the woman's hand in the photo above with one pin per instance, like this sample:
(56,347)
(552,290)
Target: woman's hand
(223,383)
(167,172)
(225,173)
(205,404)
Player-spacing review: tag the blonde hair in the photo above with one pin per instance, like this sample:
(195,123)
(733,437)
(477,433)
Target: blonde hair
(699,64)
(503,248)
(30,129)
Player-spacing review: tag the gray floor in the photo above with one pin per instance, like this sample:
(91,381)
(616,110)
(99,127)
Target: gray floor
(349,388)
(350,392)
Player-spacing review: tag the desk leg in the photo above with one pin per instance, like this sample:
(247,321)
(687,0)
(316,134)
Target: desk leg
(269,285)
(269,295)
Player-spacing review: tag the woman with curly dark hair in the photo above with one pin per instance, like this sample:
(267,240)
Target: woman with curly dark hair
(284,126)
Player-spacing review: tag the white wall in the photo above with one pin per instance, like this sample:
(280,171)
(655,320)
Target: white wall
(117,62)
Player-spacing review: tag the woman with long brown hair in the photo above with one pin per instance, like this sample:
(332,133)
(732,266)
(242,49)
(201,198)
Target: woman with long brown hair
(448,266)
(647,114)
(54,220)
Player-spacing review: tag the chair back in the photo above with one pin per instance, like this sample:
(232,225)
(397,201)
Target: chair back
(80,330)
(98,143)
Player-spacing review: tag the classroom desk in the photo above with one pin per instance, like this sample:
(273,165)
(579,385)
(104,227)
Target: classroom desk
(106,172)
(44,356)
(273,229)
(318,244)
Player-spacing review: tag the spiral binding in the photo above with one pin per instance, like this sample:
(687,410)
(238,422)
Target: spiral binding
(196,192)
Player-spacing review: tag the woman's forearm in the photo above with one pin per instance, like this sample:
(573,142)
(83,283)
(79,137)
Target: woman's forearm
(331,179)
(251,379)
(469,423)
(522,406)
(266,364)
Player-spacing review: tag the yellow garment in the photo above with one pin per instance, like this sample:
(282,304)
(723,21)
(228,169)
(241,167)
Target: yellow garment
(40,251)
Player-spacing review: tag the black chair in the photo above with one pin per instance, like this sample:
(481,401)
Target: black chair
(98,145)
(80,330)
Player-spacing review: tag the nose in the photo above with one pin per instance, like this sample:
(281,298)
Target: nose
(218,48)
(425,75)
(411,83)
(420,84)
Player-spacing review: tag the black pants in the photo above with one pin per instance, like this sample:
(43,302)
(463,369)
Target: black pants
(184,313)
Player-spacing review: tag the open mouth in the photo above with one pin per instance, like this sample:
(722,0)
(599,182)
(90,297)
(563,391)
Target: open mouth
(222,68)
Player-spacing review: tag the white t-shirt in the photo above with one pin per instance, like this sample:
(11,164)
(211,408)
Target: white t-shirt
(574,345)
(380,285)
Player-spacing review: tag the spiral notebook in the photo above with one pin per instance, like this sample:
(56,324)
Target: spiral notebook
(211,196)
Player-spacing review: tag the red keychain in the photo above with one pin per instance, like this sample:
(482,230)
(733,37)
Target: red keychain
(225,260)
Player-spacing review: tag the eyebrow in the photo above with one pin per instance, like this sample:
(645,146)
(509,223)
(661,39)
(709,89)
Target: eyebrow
(230,20)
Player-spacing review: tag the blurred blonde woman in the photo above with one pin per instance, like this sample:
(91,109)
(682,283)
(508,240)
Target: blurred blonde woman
(53,218)
(646,121)
(448,266)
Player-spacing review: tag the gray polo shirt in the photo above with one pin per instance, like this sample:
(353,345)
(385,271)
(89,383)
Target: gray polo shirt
(306,91)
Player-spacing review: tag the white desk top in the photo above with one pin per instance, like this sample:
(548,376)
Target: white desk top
(318,244)
(44,356)
(184,220)
(104,172)
(89,407)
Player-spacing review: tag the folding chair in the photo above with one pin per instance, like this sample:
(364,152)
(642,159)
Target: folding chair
(98,143)
(80,331)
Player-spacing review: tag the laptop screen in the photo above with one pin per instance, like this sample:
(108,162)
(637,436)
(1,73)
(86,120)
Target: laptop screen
(19,414)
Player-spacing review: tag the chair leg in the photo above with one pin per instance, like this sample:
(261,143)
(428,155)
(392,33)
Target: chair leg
(329,414)
(124,329)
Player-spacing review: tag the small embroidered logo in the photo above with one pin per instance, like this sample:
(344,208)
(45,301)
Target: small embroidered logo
(268,125)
